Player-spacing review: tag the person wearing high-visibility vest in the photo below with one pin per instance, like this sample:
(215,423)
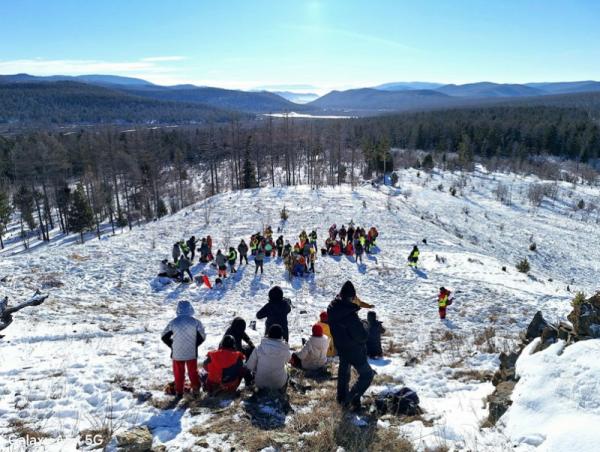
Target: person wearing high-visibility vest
(444,301)
(413,257)
(231,259)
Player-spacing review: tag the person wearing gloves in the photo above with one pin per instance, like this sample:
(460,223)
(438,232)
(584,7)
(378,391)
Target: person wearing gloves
(313,355)
(350,339)
(268,361)
(184,334)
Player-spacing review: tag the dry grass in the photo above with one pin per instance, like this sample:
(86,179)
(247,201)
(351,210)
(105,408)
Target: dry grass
(472,375)
(486,340)
(26,430)
(393,348)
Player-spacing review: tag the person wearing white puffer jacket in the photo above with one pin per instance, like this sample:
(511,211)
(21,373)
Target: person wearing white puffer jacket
(313,355)
(268,361)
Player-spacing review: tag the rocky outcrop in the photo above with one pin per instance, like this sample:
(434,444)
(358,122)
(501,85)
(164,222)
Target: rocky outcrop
(138,439)
(585,316)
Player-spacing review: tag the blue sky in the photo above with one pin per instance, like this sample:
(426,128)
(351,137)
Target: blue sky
(324,43)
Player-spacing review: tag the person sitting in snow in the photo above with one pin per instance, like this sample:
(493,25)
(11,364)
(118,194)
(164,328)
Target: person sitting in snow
(184,334)
(350,339)
(276,311)
(313,355)
(167,269)
(221,262)
(223,368)
(444,301)
(323,322)
(268,361)
(375,329)
(237,330)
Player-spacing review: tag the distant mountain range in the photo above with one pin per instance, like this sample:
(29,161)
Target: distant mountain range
(61,99)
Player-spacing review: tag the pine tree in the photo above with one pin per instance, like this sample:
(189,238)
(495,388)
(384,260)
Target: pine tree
(81,215)
(161,208)
(5,213)
(427,163)
(249,176)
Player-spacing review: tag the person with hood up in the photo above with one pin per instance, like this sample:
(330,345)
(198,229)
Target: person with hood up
(243,251)
(276,311)
(323,321)
(268,361)
(184,334)
(375,329)
(232,259)
(221,262)
(313,355)
(223,368)
(176,252)
(350,339)
(237,330)
(184,266)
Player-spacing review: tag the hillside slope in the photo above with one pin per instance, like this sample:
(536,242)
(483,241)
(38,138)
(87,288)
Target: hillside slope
(64,366)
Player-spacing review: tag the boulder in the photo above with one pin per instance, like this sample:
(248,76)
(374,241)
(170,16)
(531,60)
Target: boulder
(138,439)
(536,326)
(585,317)
(507,368)
(500,400)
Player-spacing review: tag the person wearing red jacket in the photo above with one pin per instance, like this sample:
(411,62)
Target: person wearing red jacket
(223,368)
(444,300)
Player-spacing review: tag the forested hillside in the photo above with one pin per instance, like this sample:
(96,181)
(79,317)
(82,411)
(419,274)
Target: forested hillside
(78,103)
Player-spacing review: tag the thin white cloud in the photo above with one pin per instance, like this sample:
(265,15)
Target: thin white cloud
(41,66)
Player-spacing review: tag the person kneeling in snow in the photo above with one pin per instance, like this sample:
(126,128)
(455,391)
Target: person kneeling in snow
(313,355)
(375,329)
(223,368)
(268,361)
(184,334)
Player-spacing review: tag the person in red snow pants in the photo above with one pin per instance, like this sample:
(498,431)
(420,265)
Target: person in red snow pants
(443,301)
(179,374)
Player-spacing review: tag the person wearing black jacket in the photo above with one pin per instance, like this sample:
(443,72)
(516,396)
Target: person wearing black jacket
(279,245)
(375,329)
(350,339)
(243,252)
(276,311)
(238,331)
(191,243)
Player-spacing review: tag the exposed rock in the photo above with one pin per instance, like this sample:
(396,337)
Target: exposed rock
(585,316)
(404,401)
(507,368)
(536,326)
(138,439)
(499,400)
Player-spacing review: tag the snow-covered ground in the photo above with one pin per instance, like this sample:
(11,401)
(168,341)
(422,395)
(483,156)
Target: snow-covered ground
(72,363)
